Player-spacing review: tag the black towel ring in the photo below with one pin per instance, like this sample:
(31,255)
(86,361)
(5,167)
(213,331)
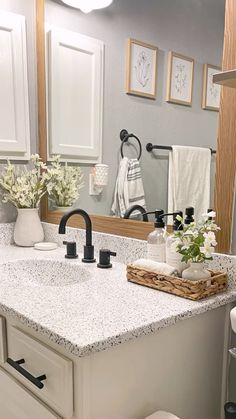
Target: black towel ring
(124,136)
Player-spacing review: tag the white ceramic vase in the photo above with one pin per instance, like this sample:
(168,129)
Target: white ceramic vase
(195,272)
(28,228)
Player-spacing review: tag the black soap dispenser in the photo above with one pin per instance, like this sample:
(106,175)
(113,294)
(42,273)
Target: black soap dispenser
(173,257)
(156,243)
(189,213)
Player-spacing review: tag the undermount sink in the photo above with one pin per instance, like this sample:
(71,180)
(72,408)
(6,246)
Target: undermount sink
(42,272)
(233,319)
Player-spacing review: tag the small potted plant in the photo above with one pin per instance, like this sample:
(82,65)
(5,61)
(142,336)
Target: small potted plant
(64,184)
(24,188)
(196,243)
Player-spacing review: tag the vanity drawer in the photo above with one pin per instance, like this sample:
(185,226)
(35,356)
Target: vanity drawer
(40,360)
(17,402)
(3,340)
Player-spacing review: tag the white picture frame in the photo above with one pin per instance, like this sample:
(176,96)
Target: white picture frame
(141,71)
(210,91)
(180,79)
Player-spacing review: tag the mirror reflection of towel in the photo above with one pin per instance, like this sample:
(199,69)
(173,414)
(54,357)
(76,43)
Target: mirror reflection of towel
(189,179)
(129,187)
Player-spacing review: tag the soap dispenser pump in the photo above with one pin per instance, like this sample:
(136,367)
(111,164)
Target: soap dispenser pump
(156,239)
(189,213)
(173,257)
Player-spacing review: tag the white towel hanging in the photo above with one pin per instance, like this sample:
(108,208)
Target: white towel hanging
(189,179)
(129,187)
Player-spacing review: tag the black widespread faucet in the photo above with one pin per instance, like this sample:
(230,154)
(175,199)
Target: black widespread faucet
(136,208)
(88,248)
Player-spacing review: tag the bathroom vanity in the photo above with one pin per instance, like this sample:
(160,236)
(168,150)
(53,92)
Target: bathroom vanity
(109,349)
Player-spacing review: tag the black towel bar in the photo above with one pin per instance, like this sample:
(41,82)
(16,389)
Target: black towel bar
(150,147)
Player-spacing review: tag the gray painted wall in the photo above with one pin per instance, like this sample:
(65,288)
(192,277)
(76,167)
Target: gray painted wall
(191,27)
(27,9)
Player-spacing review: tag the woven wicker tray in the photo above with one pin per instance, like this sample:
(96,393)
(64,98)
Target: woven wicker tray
(193,290)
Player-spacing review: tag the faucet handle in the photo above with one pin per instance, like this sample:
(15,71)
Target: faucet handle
(70,250)
(104,258)
(88,254)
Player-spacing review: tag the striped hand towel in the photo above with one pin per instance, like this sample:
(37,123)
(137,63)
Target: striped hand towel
(129,187)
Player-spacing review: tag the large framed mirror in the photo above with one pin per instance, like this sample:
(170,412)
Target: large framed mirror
(195,32)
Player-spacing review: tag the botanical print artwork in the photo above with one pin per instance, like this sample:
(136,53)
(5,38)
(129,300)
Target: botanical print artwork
(141,70)
(213,90)
(181,79)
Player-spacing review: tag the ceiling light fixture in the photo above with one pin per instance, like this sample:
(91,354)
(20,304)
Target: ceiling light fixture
(87,6)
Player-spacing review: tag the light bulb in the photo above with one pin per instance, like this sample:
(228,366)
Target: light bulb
(87,6)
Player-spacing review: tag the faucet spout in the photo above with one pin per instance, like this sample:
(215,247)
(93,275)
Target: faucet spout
(88,248)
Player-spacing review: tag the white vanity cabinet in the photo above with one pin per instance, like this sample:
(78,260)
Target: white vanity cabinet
(19,397)
(18,403)
(170,369)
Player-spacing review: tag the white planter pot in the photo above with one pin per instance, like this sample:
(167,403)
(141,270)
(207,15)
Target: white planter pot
(28,228)
(195,272)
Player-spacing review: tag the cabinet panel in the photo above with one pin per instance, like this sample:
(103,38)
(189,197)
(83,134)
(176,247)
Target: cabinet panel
(75,95)
(39,360)
(3,340)
(14,103)
(17,403)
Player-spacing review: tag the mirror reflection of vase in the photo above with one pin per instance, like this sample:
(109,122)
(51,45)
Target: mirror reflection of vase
(62,209)
(28,228)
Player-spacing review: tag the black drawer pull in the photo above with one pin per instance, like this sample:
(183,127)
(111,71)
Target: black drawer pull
(34,380)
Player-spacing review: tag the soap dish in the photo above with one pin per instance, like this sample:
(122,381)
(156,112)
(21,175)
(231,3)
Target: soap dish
(45,246)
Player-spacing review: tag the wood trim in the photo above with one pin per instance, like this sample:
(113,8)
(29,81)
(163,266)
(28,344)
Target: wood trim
(226,78)
(226,145)
(169,99)
(225,160)
(41,85)
(129,91)
(204,87)
(110,225)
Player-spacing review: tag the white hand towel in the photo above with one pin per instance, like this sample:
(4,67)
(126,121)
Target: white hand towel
(129,187)
(157,267)
(162,415)
(189,179)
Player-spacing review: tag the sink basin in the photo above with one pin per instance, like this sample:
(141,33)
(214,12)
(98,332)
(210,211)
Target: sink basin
(38,272)
(233,319)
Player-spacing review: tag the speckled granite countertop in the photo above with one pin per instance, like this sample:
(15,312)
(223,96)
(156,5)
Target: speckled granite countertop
(93,314)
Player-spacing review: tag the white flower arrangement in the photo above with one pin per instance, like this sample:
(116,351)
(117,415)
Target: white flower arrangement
(197,241)
(24,188)
(63,183)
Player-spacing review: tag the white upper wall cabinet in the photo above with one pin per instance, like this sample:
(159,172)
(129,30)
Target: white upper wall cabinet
(75,95)
(14,101)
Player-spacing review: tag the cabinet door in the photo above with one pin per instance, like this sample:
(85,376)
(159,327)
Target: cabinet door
(14,104)
(75,95)
(18,403)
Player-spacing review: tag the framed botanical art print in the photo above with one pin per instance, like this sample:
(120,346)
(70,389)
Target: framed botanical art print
(180,79)
(210,90)
(141,71)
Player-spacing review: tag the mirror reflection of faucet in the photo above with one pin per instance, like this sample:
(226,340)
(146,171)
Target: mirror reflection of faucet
(135,208)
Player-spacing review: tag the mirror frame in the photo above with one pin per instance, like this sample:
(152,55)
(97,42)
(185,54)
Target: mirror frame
(225,163)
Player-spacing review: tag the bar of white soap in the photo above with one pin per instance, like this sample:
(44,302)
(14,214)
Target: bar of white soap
(45,246)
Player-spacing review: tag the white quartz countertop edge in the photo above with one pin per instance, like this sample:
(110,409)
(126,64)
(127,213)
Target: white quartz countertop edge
(147,310)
